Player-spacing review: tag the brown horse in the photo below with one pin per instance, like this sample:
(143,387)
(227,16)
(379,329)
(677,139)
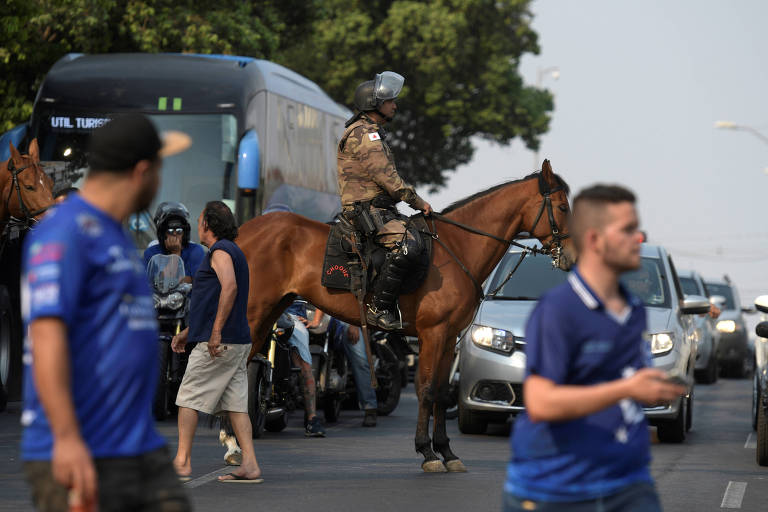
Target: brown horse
(285,254)
(26,192)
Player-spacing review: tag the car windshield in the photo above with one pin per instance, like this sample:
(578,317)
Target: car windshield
(535,276)
(649,283)
(689,286)
(204,172)
(724,291)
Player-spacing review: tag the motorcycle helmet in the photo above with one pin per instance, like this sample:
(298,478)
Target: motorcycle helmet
(171,214)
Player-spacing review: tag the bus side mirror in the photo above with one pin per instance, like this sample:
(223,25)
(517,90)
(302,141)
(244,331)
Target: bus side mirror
(15,135)
(248,161)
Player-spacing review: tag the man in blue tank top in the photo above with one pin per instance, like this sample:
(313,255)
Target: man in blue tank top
(583,444)
(216,380)
(91,354)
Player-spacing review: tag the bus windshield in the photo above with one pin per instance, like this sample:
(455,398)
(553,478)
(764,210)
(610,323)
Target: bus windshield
(205,172)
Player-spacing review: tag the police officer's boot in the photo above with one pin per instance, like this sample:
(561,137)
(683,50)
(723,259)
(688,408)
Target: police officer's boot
(382,312)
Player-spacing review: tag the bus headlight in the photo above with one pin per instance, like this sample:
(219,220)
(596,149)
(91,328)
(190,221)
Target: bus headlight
(489,338)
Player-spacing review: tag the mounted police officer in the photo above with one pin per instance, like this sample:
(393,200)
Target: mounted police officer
(370,188)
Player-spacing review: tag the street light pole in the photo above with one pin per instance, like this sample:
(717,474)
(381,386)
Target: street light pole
(554,73)
(729,125)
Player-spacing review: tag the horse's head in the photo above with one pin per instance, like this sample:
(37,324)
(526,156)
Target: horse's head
(27,192)
(547,215)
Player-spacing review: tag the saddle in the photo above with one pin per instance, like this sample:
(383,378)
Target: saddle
(342,264)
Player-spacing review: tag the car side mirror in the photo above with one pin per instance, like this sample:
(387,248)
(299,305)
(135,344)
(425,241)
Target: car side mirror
(695,305)
(762,329)
(717,300)
(748,310)
(761,303)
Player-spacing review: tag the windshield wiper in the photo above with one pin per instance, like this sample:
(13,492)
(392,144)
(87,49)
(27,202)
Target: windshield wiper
(515,297)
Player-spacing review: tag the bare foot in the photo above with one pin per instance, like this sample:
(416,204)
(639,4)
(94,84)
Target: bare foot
(250,472)
(183,467)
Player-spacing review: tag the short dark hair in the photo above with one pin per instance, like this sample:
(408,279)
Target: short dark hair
(220,220)
(588,208)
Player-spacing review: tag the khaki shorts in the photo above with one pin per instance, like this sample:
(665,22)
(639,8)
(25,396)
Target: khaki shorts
(216,385)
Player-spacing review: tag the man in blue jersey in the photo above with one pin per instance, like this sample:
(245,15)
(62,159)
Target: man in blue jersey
(91,354)
(583,443)
(216,380)
(173,230)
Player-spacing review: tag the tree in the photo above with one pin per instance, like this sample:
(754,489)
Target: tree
(460,58)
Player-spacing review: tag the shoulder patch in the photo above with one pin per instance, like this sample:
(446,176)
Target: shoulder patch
(374,136)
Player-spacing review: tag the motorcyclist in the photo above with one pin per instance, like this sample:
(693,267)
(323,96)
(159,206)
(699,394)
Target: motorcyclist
(370,187)
(173,228)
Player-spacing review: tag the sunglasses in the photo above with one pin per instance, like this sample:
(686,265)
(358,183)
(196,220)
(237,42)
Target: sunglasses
(175,231)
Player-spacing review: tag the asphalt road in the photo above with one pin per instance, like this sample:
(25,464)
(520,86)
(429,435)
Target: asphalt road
(377,469)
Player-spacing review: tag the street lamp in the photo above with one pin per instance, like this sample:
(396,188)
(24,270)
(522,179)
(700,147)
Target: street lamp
(552,72)
(730,125)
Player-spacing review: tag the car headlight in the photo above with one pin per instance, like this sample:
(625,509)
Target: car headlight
(662,342)
(489,338)
(172,301)
(728,326)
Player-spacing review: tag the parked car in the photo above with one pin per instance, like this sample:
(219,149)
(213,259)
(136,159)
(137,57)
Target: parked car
(760,383)
(492,350)
(734,353)
(671,334)
(706,335)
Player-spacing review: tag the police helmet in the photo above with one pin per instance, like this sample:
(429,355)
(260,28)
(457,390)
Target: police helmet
(371,94)
(172,214)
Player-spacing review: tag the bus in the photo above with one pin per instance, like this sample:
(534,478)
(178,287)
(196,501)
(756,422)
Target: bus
(262,135)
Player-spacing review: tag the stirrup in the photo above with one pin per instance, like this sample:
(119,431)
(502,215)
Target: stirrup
(384,319)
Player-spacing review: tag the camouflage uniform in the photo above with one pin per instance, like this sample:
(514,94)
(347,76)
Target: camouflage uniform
(366,172)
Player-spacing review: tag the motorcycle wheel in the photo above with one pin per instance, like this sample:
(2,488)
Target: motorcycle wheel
(387,367)
(160,403)
(257,398)
(332,408)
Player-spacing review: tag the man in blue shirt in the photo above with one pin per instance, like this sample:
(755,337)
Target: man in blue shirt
(583,442)
(91,355)
(173,230)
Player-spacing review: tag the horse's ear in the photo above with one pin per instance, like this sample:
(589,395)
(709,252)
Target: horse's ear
(34,150)
(15,155)
(546,171)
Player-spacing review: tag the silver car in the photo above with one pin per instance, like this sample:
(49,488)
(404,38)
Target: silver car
(670,334)
(734,352)
(492,349)
(706,335)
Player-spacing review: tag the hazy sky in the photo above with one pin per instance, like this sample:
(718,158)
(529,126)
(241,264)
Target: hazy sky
(641,85)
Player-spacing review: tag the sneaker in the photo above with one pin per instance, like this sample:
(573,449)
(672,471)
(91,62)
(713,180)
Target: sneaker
(370,418)
(314,428)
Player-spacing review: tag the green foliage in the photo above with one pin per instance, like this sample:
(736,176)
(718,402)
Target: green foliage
(460,58)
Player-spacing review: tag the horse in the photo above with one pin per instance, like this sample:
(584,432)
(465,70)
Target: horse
(26,192)
(285,254)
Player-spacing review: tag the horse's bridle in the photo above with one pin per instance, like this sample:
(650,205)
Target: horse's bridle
(29,216)
(553,248)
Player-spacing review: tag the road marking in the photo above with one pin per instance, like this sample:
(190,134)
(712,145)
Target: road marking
(734,493)
(197,482)
(751,443)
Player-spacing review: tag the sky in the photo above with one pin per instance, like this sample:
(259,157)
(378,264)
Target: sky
(640,87)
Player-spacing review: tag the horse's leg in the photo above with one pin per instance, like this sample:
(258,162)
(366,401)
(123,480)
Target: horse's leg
(426,396)
(440,440)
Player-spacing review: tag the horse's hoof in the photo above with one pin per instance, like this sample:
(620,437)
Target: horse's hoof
(234,459)
(455,466)
(433,466)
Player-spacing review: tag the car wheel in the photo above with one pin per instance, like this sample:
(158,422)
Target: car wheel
(755,401)
(471,422)
(673,431)
(689,413)
(709,374)
(762,437)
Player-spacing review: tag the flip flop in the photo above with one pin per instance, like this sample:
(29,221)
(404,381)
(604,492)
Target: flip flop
(240,479)
(184,478)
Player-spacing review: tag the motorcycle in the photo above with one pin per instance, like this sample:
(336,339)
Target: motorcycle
(171,299)
(388,370)
(331,372)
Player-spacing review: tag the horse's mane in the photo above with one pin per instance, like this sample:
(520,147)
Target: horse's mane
(461,202)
